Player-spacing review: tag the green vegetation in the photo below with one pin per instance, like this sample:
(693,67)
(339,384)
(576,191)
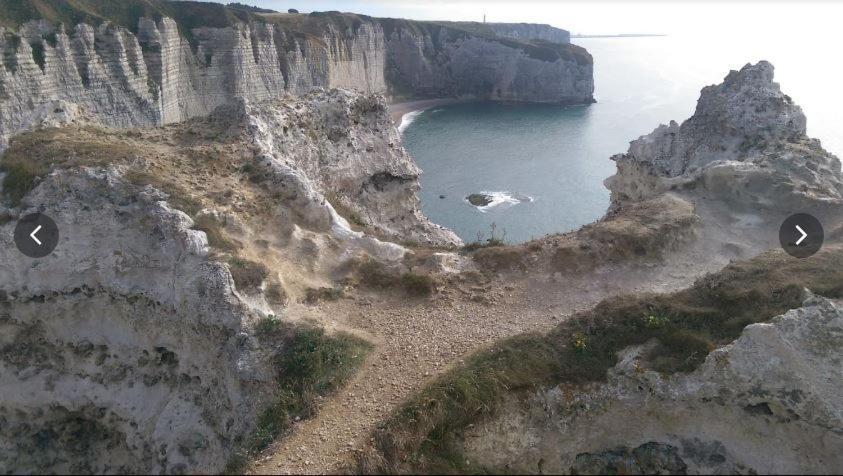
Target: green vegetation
(178,197)
(267,325)
(483,242)
(424,434)
(247,275)
(275,294)
(418,284)
(20,179)
(309,364)
(33,154)
(373,274)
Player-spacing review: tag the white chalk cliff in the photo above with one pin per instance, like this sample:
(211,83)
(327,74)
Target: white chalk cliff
(152,73)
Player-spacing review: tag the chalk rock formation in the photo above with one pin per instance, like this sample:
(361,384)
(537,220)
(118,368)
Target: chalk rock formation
(125,349)
(768,403)
(435,61)
(343,146)
(745,144)
(129,348)
(531,31)
(152,72)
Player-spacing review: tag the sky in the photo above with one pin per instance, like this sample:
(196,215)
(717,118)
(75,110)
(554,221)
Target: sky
(602,16)
(705,40)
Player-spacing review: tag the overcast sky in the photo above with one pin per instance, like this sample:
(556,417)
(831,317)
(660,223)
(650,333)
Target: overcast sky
(604,17)
(705,39)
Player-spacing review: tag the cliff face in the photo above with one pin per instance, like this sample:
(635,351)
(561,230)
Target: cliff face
(437,61)
(133,346)
(133,358)
(764,404)
(160,71)
(531,31)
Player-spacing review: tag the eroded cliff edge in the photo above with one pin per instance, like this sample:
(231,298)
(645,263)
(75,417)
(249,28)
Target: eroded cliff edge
(733,374)
(150,339)
(154,63)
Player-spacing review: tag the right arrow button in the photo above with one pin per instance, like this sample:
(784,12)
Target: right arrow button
(801,238)
(801,235)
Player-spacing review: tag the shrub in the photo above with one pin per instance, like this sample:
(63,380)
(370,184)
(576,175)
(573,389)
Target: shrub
(309,364)
(247,275)
(373,273)
(314,295)
(20,179)
(655,322)
(418,284)
(482,242)
(275,294)
(579,343)
(267,325)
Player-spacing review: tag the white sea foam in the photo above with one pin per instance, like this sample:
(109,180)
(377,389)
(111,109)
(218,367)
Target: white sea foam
(502,200)
(407,119)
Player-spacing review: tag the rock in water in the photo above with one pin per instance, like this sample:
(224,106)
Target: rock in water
(479,199)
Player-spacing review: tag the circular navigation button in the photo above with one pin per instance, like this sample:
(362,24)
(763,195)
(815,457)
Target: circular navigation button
(801,235)
(36,235)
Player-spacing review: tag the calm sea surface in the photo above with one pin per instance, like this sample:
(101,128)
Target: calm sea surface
(544,166)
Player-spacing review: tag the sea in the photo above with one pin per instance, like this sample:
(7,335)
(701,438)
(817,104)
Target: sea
(542,167)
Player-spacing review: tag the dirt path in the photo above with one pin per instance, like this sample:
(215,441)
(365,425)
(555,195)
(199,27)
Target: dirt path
(416,340)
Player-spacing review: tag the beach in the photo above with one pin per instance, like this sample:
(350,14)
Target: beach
(397,111)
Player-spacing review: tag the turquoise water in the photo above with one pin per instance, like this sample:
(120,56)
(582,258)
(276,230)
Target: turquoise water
(551,161)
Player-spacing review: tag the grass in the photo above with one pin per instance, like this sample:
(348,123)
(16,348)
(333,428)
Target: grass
(267,325)
(418,284)
(487,243)
(275,294)
(31,155)
(424,434)
(20,179)
(178,197)
(315,295)
(373,274)
(216,237)
(247,275)
(482,242)
(309,364)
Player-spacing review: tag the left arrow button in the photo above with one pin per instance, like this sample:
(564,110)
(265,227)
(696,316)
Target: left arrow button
(36,235)
(35,238)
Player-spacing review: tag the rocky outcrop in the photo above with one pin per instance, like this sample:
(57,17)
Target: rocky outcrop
(154,72)
(343,146)
(131,348)
(745,145)
(768,403)
(126,349)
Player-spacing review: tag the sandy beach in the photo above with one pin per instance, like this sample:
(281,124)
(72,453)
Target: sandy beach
(397,111)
